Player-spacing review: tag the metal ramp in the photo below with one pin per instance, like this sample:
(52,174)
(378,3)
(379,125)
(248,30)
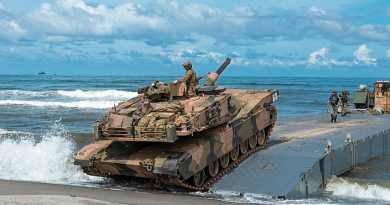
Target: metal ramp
(301,167)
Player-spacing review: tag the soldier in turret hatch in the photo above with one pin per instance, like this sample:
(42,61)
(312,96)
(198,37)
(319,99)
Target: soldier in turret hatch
(189,78)
(333,104)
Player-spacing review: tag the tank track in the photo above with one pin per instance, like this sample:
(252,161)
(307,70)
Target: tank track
(176,181)
(92,171)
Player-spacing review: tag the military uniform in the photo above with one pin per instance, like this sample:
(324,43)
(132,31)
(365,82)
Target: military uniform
(333,102)
(344,102)
(189,78)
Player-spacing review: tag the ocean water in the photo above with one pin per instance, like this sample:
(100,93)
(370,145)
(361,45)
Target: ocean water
(44,119)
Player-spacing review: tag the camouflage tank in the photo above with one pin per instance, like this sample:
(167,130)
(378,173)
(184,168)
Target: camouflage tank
(180,140)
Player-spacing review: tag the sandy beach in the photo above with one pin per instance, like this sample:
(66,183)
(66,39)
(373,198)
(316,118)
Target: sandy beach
(20,192)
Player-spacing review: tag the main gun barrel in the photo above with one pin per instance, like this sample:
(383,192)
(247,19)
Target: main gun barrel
(213,77)
(223,66)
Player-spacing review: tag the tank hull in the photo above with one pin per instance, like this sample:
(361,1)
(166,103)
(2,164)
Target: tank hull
(192,159)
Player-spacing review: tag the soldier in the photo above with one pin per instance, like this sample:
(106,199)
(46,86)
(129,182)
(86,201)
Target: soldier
(344,97)
(189,78)
(333,102)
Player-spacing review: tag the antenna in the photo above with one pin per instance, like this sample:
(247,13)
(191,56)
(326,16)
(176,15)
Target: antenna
(176,58)
(112,80)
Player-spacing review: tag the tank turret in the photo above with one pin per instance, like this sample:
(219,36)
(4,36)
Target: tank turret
(209,87)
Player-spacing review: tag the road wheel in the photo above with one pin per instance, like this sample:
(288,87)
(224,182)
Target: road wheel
(213,168)
(261,138)
(253,141)
(234,154)
(198,178)
(244,147)
(224,161)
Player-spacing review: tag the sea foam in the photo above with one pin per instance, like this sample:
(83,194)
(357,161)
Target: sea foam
(12,132)
(47,160)
(105,94)
(345,188)
(73,104)
(21,93)
(97,94)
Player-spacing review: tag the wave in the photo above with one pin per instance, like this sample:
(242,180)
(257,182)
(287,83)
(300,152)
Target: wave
(366,190)
(76,104)
(98,94)
(20,92)
(48,160)
(7,132)
(111,94)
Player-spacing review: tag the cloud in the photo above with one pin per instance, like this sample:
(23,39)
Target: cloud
(316,11)
(169,22)
(10,30)
(318,57)
(198,55)
(170,31)
(76,18)
(379,33)
(155,23)
(280,62)
(362,55)
(56,38)
(202,56)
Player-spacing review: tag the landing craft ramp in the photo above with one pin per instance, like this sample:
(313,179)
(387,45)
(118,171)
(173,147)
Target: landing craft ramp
(315,150)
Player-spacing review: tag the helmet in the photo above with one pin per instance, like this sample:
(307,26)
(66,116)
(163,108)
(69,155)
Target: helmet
(333,91)
(155,82)
(187,64)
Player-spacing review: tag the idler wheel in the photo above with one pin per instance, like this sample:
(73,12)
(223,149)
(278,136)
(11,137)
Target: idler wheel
(253,141)
(244,147)
(213,168)
(234,154)
(198,178)
(261,137)
(224,161)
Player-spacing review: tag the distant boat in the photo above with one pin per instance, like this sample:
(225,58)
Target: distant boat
(41,73)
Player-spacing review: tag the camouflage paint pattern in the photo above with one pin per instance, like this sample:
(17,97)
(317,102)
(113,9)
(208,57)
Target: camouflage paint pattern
(189,154)
(165,133)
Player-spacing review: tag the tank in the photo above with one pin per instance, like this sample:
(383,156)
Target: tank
(175,139)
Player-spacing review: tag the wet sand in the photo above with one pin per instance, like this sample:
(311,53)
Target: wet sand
(19,192)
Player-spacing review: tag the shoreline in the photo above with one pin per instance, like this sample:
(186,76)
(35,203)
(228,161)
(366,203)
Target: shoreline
(24,192)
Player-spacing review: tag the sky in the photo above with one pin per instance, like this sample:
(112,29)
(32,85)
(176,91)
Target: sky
(349,38)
